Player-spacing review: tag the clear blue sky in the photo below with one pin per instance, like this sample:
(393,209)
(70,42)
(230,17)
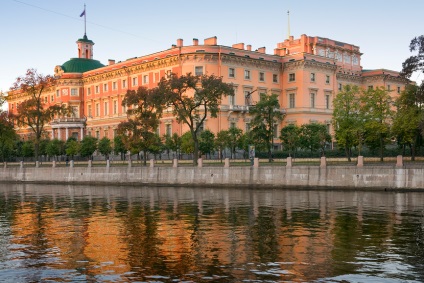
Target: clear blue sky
(42,33)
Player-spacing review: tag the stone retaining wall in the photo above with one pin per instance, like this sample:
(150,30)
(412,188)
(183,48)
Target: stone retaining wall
(369,177)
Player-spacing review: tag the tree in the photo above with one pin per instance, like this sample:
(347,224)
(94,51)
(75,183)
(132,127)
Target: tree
(193,98)
(72,147)
(347,120)
(105,147)
(139,132)
(187,144)
(173,143)
(408,121)
(289,136)
(8,135)
(378,114)
(221,142)
(28,149)
(88,146)
(314,137)
(55,147)
(415,63)
(119,146)
(206,142)
(266,114)
(33,113)
(234,140)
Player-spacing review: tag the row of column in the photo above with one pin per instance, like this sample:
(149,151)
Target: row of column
(59,136)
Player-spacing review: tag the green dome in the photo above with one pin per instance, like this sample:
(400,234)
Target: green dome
(81,65)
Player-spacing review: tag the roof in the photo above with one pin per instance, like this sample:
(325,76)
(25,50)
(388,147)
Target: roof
(81,65)
(85,39)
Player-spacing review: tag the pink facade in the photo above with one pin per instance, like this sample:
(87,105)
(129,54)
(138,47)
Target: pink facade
(305,73)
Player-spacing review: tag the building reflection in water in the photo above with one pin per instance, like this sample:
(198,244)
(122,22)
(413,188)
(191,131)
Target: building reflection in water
(185,233)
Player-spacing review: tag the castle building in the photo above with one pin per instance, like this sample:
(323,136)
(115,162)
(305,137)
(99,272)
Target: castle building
(306,74)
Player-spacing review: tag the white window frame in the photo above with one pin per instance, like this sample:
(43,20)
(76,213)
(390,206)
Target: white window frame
(247,75)
(74,92)
(231,72)
(292,100)
(261,76)
(196,72)
(292,77)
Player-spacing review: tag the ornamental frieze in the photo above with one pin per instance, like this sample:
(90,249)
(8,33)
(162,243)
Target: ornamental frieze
(251,63)
(349,78)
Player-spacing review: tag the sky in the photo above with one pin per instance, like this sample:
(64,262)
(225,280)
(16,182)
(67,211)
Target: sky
(41,34)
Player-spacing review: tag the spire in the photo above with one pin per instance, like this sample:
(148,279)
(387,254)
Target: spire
(288,24)
(85,21)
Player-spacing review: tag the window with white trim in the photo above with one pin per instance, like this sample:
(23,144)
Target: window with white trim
(247,74)
(312,100)
(261,76)
(74,91)
(145,79)
(292,100)
(134,81)
(231,72)
(105,87)
(198,70)
(292,77)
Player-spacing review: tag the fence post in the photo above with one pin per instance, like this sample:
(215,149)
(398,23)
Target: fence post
(227,162)
(152,163)
(71,163)
(175,163)
(360,161)
(399,161)
(323,162)
(256,162)
(200,162)
(54,163)
(289,162)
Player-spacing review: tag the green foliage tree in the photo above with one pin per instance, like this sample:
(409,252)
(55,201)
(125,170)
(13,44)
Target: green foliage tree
(193,98)
(408,121)
(88,146)
(265,115)
(55,148)
(72,147)
(105,147)
(221,142)
(187,144)
(290,138)
(378,114)
(28,149)
(119,146)
(234,140)
(314,137)
(33,113)
(348,122)
(415,63)
(206,142)
(8,136)
(173,142)
(145,110)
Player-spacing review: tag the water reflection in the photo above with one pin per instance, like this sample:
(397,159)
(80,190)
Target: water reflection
(113,234)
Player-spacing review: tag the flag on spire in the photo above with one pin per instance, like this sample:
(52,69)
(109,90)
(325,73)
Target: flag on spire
(83,13)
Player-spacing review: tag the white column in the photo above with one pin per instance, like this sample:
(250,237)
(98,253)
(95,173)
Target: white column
(58,133)
(82,133)
(52,134)
(66,133)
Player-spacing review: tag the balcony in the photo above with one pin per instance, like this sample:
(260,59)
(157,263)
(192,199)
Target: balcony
(243,108)
(68,122)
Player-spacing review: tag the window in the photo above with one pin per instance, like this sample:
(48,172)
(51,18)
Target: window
(328,128)
(134,81)
(88,90)
(261,76)
(292,77)
(45,99)
(115,132)
(340,87)
(145,79)
(104,87)
(97,89)
(52,98)
(246,74)
(106,133)
(89,111)
(168,130)
(231,99)
(115,107)
(75,111)
(274,78)
(275,131)
(327,79)
(292,100)
(97,109)
(232,125)
(247,127)
(198,70)
(57,93)
(74,91)
(327,101)
(231,73)
(312,77)
(114,87)
(312,100)
(106,108)
(124,83)
(388,87)
(398,89)
(98,134)
(370,87)
(247,97)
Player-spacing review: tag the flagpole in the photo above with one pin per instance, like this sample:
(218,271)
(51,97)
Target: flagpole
(85,21)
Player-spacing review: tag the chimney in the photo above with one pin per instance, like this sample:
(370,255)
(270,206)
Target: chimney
(249,47)
(261,50)
(111,62)
(179,42)
(238,45)
(174,46)
(195,41)
(211,41)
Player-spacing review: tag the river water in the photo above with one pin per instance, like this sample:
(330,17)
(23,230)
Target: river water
(145,234)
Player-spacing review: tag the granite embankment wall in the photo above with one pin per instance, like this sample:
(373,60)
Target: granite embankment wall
(368,177)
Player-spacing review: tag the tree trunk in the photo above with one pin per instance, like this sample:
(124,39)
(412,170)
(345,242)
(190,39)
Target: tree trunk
(381,149)
(196,150)
(348,153)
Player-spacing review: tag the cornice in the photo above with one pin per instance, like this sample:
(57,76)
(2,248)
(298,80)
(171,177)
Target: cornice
(349,78)
(309,64)
(251,62)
